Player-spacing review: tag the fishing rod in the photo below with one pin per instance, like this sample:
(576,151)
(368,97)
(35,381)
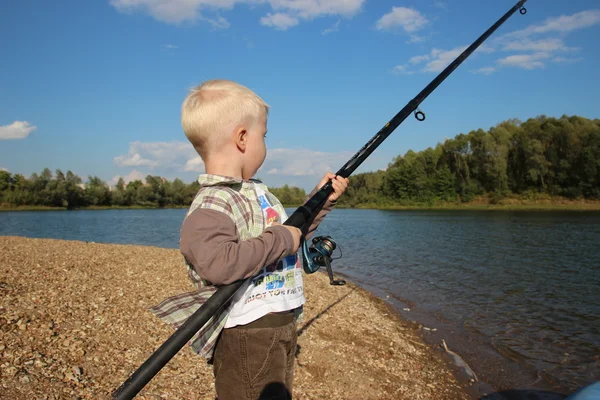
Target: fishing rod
(300,218)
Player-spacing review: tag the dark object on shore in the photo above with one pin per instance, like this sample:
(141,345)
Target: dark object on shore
(524,395)
(589,392)
(301,218)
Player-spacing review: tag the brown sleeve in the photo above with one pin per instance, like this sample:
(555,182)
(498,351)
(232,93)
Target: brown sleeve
(210,243)
(327,207)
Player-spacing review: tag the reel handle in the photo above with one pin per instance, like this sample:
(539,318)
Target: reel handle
(335,282)
(318,255)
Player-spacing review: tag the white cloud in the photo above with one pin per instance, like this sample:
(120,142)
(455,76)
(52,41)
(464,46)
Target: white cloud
(564,23)
(441,58)
(174,11)
(485,70)
(217,23)
(316,8)
(435,61)
(279,21)
(195,164)
(540,51)
(565,60)
(525,61)
(416,39)
(302,162)
(169,47)
(546,45)
(133,159)
(402,69)
(331,29)
(484,48)
(299,166)
(134,175)
(287,13)
(408,19)
(16,130)
(182,157)
(539,39)
(532,47)
(173,155)
(418,59)
(4,169)
(441,4)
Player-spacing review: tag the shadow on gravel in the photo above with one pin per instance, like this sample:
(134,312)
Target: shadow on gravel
(312,321)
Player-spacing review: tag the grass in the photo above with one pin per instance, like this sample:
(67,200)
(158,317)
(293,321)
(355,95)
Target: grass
(30,208)
(504,207)
(135,207)
(46,208)
(507,204)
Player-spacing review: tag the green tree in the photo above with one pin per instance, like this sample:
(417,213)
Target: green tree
(131,191)
(118,195)
(75,197)
(97,193)
(157,195)
(191,191)
(21,193)
(5,182)
(57,190)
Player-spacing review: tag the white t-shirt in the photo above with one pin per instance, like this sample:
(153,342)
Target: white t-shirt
(277,288)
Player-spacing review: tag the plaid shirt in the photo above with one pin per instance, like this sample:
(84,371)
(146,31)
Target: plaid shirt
(236,198)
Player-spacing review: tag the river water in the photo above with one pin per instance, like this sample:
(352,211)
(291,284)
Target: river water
(516,294)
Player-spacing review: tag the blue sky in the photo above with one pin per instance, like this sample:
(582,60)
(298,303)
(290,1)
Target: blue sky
(96,86)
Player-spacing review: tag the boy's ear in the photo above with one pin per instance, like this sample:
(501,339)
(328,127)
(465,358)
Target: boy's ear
(241,138)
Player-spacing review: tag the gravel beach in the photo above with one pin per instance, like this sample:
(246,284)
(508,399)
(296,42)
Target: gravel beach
(74,324)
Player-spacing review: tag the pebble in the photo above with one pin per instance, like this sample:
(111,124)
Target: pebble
(80,325)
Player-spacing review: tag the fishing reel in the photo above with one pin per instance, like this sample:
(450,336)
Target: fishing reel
(319,255)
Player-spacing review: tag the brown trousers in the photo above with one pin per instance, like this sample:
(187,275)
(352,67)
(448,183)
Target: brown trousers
(256,361)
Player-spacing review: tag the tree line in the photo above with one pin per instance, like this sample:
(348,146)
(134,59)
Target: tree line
(69,191)
(541,156)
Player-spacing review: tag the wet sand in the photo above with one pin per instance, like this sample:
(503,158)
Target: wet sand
(74,323)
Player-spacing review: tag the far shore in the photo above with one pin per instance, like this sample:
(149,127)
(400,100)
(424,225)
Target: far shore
(509,204)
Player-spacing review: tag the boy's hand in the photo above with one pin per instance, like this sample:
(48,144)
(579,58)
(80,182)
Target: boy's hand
(339,185)
(296,234)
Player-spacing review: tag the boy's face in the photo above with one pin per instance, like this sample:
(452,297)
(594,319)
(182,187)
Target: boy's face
(257,149)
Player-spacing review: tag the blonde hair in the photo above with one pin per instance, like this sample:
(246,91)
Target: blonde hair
(212,110)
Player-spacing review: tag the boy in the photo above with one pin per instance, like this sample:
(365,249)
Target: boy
(232,231)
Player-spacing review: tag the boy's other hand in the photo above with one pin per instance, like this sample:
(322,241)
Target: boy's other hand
(296,234)
(339,185)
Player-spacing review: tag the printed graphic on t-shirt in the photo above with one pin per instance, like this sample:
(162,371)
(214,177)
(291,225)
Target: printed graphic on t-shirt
(278,278)
(270,214)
